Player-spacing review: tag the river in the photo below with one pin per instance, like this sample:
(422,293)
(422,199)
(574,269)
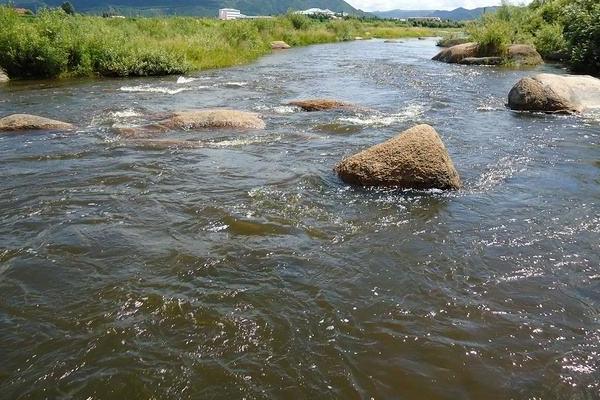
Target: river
(244,268)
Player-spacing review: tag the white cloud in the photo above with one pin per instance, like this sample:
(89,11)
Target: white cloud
(381,5)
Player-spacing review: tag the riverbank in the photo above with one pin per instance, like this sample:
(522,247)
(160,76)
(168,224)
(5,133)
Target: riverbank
(55,45)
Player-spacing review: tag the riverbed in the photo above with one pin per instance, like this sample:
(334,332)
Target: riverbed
(242,267)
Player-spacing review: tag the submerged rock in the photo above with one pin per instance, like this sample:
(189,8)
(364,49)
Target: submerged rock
(279,45)
(321,104)
(27,122)
(416,158)
(3,77)
(457,53)
(555,93)
(217,118)
(471,54)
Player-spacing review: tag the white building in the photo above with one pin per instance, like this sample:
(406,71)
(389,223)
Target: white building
(230,13)
(318,11)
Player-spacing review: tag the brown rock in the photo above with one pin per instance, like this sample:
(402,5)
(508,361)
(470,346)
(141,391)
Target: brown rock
(457,53)
(279,45)
(321,104)
(416,158)
(524,54)
(26,122)
(555,93)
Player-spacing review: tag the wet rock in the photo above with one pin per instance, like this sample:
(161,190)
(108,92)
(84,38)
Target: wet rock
(321,104)
(517,55)
(524,54)
(422,38)
(457,53)
(216,118)
(416,158)
(481,61)
(279,45)
(3,77)
(393,41)
(555,93)
(26,122)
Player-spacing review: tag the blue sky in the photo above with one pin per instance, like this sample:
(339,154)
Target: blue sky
(380,5)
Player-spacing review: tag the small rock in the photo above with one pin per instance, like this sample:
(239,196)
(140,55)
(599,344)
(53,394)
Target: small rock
(416,158)
(279,45)
(27,122)
(3,77)
(393,41)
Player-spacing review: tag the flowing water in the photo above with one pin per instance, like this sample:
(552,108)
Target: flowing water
(242,267)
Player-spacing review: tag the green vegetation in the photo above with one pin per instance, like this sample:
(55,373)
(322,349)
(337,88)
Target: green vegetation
(55,44)
(567,30)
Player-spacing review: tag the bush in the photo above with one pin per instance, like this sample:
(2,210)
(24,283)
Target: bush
(550,42)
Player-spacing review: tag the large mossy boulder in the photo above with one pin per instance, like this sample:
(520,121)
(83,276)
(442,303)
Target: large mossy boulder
(416,158)
(555,93)
(472,54)
(321,105)
(27,122)
(523,54)
(3,77)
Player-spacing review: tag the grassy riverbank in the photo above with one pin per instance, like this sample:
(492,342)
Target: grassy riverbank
(567,30)
(53,44)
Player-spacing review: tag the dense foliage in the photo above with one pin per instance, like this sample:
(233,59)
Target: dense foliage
(566,30)
(52,43)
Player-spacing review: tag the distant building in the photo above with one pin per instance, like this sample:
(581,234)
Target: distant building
(427,19)
(230,13)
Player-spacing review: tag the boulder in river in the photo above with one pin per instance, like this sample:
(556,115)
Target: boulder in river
(321,104)
(416,158)
(457,53)
(27,122)
(471,54)
(3,77)
(279,45)
(555,93)
(524,54)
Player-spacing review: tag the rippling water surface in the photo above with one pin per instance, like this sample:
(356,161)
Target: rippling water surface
(242,267)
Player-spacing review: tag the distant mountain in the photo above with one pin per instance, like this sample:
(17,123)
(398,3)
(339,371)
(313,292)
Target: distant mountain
(192,7)
(459,14)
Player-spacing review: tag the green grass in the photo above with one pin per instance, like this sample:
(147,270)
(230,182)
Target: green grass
(53,44)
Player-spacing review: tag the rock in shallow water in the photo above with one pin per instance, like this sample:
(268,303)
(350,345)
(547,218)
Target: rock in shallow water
(457,53)
(321,104)
(469,53)
(416,158)
(27,122)
(555,93)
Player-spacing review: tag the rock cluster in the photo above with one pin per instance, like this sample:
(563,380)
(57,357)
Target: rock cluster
(470,53)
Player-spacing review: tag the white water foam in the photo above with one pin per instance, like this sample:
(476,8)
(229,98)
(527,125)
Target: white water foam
(235,84)
(152,89)
(379,119)
(243,142)
(183,79)
(127,113)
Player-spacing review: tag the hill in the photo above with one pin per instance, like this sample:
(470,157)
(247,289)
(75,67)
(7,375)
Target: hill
(192,7)
(459,14)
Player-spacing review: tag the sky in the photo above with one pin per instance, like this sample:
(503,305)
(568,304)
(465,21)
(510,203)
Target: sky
(383,5)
